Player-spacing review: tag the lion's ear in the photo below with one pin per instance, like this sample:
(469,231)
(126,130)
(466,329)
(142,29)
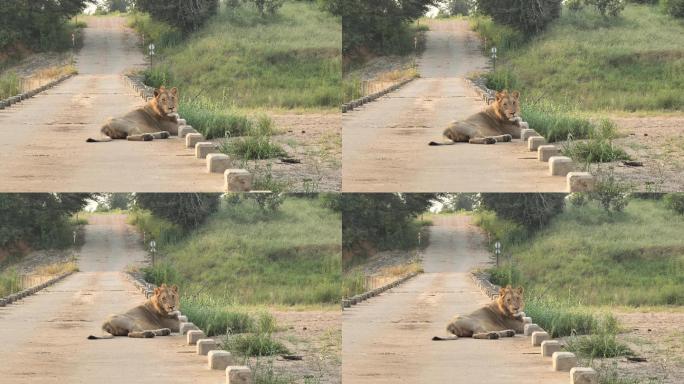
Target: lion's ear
(515,94)
(520,290)
(156,92)
(174,288)
(502,292)
(174,91)
(501,94)
(157,291)
(163,285)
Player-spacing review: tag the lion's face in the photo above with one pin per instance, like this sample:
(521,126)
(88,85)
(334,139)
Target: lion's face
(508,104)
(511,300)
(166,100)
(166,298)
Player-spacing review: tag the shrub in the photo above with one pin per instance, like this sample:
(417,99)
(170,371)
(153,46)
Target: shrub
(608,7)
(528,16)
(267,7)
(187,15)
(574,5)
(611,193)
(186,210)
(675,202)
(531,210)
(674,8)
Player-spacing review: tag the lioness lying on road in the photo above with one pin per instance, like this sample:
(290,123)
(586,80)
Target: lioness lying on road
(157,317)
(499,122)
(502,317)
(157,119)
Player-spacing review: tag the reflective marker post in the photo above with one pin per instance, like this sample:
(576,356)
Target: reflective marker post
(153,250)
(497,251)
(151,51)
(494,58)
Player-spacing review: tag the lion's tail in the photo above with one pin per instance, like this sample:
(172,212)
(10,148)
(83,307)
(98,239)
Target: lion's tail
(434,143)
(100,140)
(91,337)
(441,338)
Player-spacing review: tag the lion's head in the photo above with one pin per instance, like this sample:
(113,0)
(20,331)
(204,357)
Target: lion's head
(166,100)
(166,299)
(507,105)
(510,300)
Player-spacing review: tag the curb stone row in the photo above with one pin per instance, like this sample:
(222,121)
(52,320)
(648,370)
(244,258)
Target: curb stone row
(6,103)
(560,360)
(235,180)
(347,303)
(32,290)
(216,358)
(347,107)
(558,165)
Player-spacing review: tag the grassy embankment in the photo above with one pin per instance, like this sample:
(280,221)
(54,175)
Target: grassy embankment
(240,65)
(589,261)
(584,66)
(245,261)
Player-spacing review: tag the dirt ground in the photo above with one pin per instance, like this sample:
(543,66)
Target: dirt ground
(657,142)
(315,140)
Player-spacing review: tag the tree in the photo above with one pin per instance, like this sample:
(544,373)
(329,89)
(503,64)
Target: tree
(117,5)
(382,220)
(267,7)
(188,15)
(531,210)
(524,15)
(459,7)
(380,25)
(460,201)
(187,210)
(38,24)
(608,7)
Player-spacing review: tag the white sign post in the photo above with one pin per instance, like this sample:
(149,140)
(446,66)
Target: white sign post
(497,251)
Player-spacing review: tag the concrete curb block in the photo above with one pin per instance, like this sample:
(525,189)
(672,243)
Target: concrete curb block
(29,94)
(219,359)
(347,303)
(348,107)
(32,290)
(238,375)
(237,180)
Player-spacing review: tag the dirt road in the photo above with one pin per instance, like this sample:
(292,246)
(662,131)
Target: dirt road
(385,142)
(387,339)
(43,146)
(44,336)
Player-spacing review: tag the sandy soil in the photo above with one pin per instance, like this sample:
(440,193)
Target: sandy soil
(657,142)
(43,146)
(315,140)
(387,339)
(385,142)
(44,335)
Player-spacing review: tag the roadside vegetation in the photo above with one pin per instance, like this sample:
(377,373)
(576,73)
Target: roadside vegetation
(595,57)
(592,256)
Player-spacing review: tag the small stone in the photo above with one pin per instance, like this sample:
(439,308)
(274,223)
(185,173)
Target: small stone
(218,163)
(526,133)
(194,335)
(534,142)
(205,345)
(581,375)
(538,337)
(548,347)
(238,375)
(184,130)
(202,149)
(219,359)
(545,152)
(237,180)
(191,139)
(580,181)
(185,327)
(530,328)
(560,165)
(564,361)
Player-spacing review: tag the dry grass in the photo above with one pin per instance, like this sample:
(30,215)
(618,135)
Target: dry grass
(56,268)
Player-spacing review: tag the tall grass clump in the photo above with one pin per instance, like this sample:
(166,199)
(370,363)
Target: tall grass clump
(214,317)
(598,148)
(601,343)
(214,121)
(260,342)
(162,231)
(560,317)
(10,282)
(9,85)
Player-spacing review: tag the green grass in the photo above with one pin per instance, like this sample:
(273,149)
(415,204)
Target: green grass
(215,317)
(10,282)
(163,231)
(599,148)
(503,37)
(253,148)
(245,255)
(591,256)
(353,283)
(160,33)
(9,85)
(629,63)
(291,60)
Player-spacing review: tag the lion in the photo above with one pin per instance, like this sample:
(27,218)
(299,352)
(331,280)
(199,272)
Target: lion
(158,119)
(500,122)
(158,316)
(502,317)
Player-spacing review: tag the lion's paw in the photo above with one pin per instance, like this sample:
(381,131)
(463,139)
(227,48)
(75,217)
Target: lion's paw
(147,137)
(490,140)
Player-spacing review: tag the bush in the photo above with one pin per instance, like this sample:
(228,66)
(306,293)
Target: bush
(610,193)
(187,210)
(674,8)
(608,7)
(527,16)
(574,5)
(267,7)
(187,15)
(675,202)
(503,37)
(531,210)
